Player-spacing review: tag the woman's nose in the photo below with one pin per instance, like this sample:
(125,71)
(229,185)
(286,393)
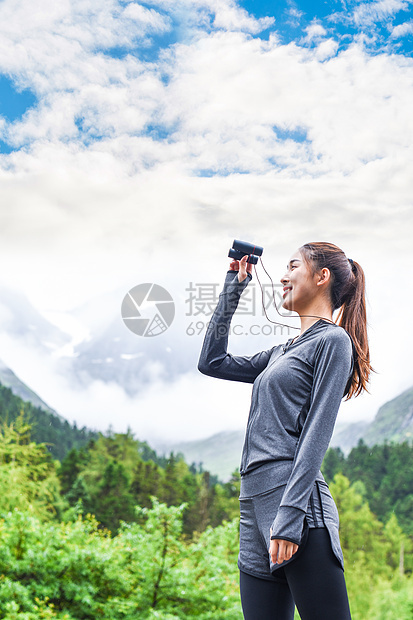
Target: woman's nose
(284,279)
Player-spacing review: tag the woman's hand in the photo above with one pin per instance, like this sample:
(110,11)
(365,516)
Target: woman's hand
(281,550)
(242,267)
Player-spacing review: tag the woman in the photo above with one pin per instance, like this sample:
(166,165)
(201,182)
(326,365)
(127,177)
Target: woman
(290,550)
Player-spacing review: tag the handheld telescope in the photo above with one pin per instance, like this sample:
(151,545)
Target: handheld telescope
(241,248)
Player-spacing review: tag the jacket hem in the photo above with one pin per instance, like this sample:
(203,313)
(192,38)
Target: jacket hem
(268,577)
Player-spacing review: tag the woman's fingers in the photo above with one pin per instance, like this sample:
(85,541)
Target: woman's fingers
(282,550)
(242,274)
(242,267)
(290,549)
(274,551)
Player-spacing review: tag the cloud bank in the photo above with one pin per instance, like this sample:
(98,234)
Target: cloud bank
(163,130)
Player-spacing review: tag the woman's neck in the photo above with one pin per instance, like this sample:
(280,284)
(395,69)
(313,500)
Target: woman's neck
(313,313)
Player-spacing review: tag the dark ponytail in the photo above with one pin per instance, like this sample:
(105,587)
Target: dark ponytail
(348,297)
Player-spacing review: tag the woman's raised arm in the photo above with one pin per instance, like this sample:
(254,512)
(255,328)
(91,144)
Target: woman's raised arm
(214,360)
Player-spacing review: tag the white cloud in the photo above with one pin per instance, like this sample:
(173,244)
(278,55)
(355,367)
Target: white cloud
(294,16)
(224,14)
(326,49)
(59,47)
(228,92)
(230,17)
(146,17)
(402,29)
(369,12)
(315,31)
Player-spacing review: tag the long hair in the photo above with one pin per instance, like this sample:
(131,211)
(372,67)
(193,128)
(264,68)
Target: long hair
(347,293)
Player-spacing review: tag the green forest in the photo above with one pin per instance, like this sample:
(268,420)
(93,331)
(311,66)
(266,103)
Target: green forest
(98,526)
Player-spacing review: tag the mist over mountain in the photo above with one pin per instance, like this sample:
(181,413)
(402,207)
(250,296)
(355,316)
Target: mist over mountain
(114,354)
(393,422)
(110,352)
(346,436)
(20,319)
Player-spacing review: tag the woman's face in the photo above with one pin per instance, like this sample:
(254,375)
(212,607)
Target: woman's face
(299,284)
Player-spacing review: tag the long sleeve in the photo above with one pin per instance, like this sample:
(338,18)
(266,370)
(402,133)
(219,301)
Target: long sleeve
(333,364)
(214,359)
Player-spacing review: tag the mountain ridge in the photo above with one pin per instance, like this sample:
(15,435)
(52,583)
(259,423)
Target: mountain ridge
(10,380)
(16,398)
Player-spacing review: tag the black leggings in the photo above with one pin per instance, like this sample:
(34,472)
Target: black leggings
(314,582)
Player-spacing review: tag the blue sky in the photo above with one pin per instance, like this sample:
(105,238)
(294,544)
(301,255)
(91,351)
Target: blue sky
(138,139)
(13,104)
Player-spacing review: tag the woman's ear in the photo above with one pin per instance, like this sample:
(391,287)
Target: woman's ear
(324,276)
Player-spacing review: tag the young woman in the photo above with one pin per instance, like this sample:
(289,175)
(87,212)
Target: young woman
(290,550)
